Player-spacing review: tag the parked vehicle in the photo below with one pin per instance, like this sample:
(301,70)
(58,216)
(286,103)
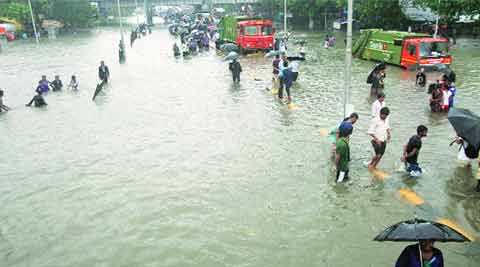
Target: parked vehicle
(249,34)
(406,49)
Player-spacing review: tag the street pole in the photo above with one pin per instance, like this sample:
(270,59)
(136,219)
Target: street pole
(347,108)
(136,12)
(436,23)
(145,11)
(285,18)
(33,22)
(122,41)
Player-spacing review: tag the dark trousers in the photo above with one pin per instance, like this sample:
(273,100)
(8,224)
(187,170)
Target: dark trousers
(280,90)
(236,76)
(280,87)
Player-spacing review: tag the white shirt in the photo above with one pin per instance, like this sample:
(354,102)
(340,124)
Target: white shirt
(376,107)
(446,96)
(379,128)
(295,66)
(280,68)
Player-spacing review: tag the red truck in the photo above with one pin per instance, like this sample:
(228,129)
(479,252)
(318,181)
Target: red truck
(249,34)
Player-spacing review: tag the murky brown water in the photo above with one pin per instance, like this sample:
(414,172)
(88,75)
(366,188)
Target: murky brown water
(175,166)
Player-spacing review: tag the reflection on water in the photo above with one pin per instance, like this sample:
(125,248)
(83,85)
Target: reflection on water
(173,165)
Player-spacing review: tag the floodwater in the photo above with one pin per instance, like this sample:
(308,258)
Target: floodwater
(173,165)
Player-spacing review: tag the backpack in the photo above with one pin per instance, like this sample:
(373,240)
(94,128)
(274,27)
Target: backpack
(471,152)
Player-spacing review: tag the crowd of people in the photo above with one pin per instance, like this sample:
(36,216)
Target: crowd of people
(194,36)
(379,130)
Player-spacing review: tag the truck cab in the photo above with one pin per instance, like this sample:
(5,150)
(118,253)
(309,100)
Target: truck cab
(255,35)
(425,52)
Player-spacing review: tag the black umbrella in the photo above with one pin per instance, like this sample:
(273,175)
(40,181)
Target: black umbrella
(418,229)
(229,47)
(466,124)
(445,69)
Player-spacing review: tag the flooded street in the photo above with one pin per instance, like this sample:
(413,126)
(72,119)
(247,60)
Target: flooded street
(173,165)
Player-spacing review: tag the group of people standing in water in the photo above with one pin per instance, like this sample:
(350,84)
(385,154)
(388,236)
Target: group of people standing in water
(380,130)
(44,86)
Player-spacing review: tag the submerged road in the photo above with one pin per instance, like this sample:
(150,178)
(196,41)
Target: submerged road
(173,165)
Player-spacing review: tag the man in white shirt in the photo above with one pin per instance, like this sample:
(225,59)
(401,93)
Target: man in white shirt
(295,66)
(379,130)
(378,104)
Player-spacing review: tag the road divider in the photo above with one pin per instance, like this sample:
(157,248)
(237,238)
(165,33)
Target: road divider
(409,196)
(381,175)
(324,132)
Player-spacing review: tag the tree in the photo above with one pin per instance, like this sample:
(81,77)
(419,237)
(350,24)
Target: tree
(73,14)
(381,13)
(17,11)
(450,10)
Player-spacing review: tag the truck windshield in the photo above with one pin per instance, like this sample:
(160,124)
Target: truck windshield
(267,30)
(251,30)
(433,49)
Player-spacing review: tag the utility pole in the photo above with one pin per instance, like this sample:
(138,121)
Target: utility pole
(436,23)
(347,108)
(33,22)
(285,18)
(136,12)
(122,41)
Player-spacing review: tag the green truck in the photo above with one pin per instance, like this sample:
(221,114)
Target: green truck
(248,33)
(406,49)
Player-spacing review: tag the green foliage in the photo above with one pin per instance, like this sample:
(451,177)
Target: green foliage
(380,13)
(449,10)
(73,14)
(20,12)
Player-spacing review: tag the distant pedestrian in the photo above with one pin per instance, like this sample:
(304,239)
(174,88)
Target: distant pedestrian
(335,132)
(421,78)
(236,69)
(326,43)
(2,106)
(73,83)
(37,100)
(453,92)
(378,104)
(446,94)
(42,87)
(380,132)
(302,50)
(295,65)
(411,151)
(103,72)
(56,84)
(467,156)
(436,97)
(342,153)
(287,78)
(276,70)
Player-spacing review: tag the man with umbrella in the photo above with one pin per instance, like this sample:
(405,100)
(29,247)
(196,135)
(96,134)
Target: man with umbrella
(235,67)
(467,127)
(422,254)
(410,256)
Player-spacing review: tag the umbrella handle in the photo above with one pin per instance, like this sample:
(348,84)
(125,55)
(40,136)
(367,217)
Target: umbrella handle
(420,250)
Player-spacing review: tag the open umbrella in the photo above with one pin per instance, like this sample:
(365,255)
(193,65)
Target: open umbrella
(466,124)
(228,47)
(418,229)
(445,69)
(231,56)
(272,53)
